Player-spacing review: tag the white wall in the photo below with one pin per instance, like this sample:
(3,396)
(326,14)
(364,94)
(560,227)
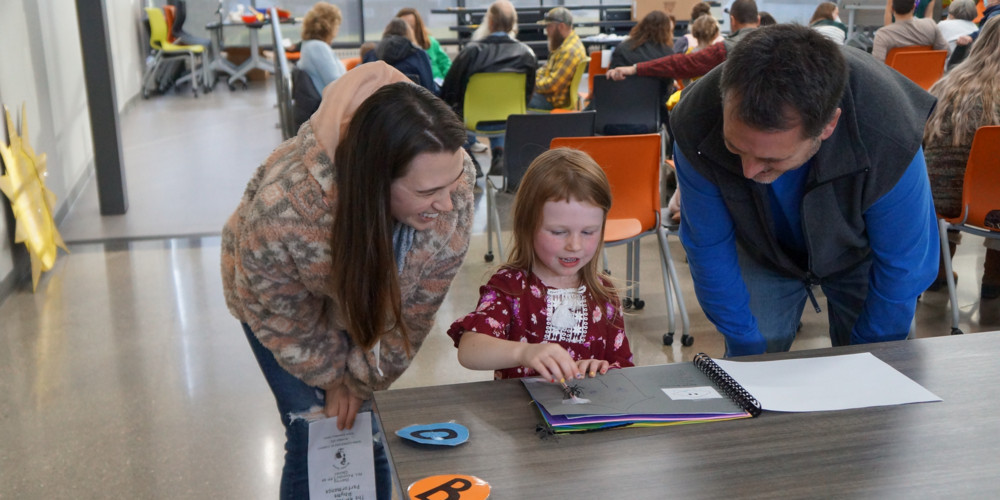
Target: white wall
(41,66)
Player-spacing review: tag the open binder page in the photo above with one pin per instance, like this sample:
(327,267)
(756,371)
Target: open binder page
(825,383)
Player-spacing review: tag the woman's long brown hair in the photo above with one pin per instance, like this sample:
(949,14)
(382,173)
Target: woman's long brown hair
(656,27)
(423,37)
(389,129)
(968,95)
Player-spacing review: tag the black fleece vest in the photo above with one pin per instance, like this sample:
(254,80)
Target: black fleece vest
(880,129)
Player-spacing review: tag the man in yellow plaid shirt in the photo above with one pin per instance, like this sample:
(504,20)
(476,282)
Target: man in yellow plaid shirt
(553,80)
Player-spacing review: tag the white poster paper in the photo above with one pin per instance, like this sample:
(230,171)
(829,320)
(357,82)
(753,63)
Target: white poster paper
(825,383)
(341,463)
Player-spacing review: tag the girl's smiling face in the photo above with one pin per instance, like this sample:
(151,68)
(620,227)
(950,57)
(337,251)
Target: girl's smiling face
(566,240)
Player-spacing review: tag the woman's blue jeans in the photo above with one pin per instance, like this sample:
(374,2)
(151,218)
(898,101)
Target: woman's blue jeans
(296,397)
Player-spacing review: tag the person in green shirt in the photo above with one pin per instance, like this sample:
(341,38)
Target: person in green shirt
(440,62)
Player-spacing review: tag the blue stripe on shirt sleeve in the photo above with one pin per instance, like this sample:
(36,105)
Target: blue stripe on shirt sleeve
(902,232)
(710,241)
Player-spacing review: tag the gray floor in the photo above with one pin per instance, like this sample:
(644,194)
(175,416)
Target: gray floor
(125,376)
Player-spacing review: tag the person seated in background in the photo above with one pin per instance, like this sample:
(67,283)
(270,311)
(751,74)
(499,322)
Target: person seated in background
(826,20)
(497,53)
(743,18)
(440,62)
(921,9)
(706,32)
(365,48)
(766,19)
(566,52)
(316,57)
(992,9)
(968,98)
(959,22)
(906,30)
(652,38)
(699,9)
(397,49)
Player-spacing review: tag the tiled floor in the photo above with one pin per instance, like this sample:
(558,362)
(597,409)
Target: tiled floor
(124,376)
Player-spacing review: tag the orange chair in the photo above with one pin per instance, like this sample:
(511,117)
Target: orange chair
(351,62)
(593,70)
(632,164)
(891,55)
(980,195)
(923,67)
(170,12)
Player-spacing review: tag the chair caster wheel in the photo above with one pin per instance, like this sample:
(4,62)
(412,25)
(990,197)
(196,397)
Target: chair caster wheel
(668,338)
(956,331)
(488,257)
(638,304)
(627,303)
(687,340)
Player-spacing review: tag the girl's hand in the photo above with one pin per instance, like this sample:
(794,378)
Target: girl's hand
(551,361)
(342,404)
(591,367)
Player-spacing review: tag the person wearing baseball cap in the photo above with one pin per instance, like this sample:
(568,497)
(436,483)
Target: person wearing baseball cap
(566,52)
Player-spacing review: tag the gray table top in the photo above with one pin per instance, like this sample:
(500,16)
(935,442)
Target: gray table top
(919,450)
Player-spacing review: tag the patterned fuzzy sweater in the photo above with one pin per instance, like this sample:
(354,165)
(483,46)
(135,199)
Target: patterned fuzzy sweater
(276,260)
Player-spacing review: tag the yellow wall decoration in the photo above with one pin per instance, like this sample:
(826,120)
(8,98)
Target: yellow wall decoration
(24,184)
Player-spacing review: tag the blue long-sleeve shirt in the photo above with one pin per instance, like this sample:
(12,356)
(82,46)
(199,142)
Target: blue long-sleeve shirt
(902,232)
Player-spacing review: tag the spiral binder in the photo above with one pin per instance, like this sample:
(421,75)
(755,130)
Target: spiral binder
(731,387)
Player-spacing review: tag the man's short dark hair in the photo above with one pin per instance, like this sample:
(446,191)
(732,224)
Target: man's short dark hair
(744,11)
(782,68)
(902,6)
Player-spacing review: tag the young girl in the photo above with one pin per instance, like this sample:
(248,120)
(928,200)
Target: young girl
(549,311)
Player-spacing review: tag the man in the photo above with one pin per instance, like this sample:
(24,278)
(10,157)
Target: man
(800,164)
(743,18)
(552,84)
(906,30)
(496,53)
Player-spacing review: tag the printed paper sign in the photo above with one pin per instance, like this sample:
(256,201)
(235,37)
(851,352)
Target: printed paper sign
(704,392)
(341,463)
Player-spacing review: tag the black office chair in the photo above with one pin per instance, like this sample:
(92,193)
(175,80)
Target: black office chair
(305,97)
(282,82)
(182,37)
(527,137)
(957,56)
(629,106)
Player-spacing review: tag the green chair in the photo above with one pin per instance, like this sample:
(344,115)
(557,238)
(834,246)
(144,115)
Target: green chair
(490,98)
(164,51)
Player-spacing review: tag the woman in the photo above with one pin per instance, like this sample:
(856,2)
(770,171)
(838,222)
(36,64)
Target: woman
(685,42)
(336,268)
(440,62)
(968,98)
(651,39)
(398,49)
(826,20)
(317,58)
